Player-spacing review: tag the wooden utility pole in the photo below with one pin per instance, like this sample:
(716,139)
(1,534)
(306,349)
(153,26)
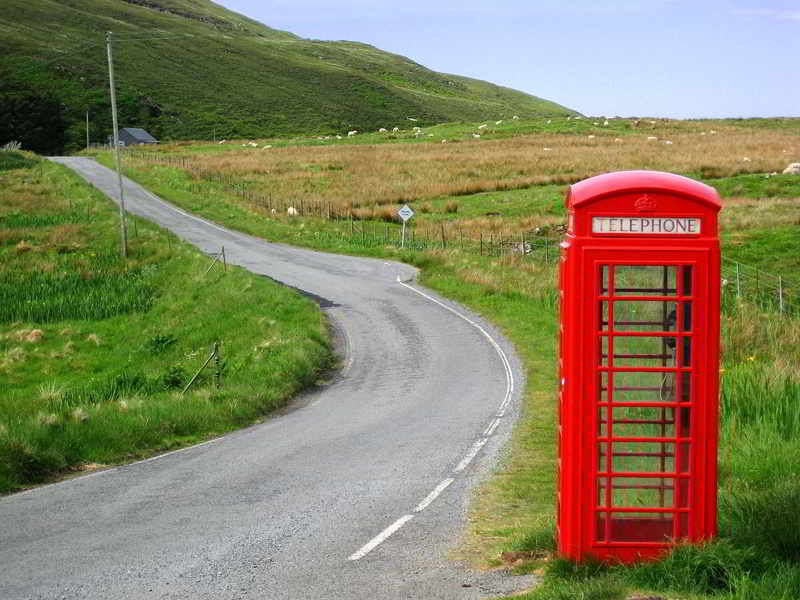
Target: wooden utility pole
(123,224)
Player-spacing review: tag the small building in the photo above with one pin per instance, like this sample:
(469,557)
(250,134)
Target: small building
(133,136)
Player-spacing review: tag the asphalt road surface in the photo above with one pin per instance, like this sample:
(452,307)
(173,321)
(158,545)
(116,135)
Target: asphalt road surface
(358,492)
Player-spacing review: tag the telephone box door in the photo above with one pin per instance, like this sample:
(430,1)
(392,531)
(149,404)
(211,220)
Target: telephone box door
(647,327)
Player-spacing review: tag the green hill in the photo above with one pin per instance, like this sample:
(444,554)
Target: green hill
(190,69)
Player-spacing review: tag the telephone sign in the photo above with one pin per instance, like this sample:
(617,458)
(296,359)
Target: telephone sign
(639,366)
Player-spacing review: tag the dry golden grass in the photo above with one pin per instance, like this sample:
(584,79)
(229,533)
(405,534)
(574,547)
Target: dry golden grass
(749,213)
(369,175)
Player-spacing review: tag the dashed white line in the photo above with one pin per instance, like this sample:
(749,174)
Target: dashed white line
(380,538)
(474,449)
(434,494)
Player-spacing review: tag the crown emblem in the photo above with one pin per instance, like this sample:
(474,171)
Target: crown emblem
(645,204)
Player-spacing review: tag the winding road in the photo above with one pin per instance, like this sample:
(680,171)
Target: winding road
(360,491)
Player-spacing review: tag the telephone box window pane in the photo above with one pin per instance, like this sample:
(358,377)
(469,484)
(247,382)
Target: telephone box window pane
(638,280)
(687,352)
(641,527)
(602,386)
(643,457)
(602,483)
(602,422)
(603,287)
(683,457)
(687,280)
(641,492)
(603,315)
(600,527)
(643,351)
(643,421)
(686,387)
(603,349)
(644,386)
(683,525)
(685,425)
(602,457)
(687,316)
(630,315)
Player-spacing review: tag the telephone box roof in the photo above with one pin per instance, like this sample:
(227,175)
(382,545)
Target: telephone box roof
(594,188)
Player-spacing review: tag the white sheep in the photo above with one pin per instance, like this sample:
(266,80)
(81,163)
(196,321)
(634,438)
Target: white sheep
(668,142)
(515,117)
(549,121)
(617,139)
(351,133)
(411,118)
(292,211)
(547,149)
(476,135)
(605,123)
(591,137)
(444,141)
(395,129)
(338,137)
(222,141)
(651,138)
(482,126)
(498,122)
(382,130)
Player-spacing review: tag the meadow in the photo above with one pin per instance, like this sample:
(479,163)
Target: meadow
(96,351)
(510,182)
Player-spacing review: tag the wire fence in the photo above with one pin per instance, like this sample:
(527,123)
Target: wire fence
(739,281)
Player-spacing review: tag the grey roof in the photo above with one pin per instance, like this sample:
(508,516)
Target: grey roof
(139,134)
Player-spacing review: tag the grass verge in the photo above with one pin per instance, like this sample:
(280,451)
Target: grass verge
(95,350)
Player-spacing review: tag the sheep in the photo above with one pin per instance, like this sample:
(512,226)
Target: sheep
(498,122)
(395,129)
(651,138)
(792,169)
(617,139)
(338,137)
(668,142)
(515,117)
(265,146)
(292,211)
(547,149)
(605,123)
(382,130)
(476,135)
(417,129)
(595,123)
(482,126)
(222,141)
(444,141)
(411,119)
(549,121)
(591,137)
(351,133)
(746,159)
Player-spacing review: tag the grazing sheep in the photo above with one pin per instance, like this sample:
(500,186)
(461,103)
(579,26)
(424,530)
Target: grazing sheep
(292,211)
(549,121)
(595,123)
(591,137)
(411,118)
(338,137)
(265,146)
(395,129)
(498,122)
(222,141)
(351,133)
(482,126)
(382,130)
(515,117)
(547,149)
(668,142)
(417,129)
(605,123)
(651,138)
(444,141)
(792,169)
(746,159)
(476,135)
(617,139)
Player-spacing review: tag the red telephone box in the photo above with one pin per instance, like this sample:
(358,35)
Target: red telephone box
(639,366)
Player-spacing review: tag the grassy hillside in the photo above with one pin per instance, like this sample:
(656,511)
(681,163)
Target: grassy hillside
(190,69)
(95,350)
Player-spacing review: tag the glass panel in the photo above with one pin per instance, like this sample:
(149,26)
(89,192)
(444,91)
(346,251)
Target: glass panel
(683,457)
(602,457)
(686,387)
(602,383)
(603,350)
(641,527)
(603,315)
(603,281)
(643,421)
(687,352)
(643,457)
(602,482)
(685,426)
(643,386)
(687,316)
(687,280)
(600,527)
(643,351)
(641,492)
(630,315)
(602,422)
(683,525)
(644,280)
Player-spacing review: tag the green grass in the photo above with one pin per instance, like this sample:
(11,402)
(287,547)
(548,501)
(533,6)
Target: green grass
(94,349)
(222,75)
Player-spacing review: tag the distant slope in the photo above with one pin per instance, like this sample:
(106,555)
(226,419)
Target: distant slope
(192,69)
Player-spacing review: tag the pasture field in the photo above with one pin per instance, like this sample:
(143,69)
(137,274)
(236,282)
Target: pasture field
(95,350)
(506,183)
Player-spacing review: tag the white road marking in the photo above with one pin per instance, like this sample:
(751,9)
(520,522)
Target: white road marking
(471,454)
(380,538)
(474,449)
(434,494)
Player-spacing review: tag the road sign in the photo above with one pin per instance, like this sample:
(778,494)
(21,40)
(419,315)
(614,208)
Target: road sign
(405,213)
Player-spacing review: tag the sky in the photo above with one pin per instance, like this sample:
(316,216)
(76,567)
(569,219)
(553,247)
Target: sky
(661,58)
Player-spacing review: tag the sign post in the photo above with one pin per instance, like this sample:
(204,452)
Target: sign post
(405,213)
